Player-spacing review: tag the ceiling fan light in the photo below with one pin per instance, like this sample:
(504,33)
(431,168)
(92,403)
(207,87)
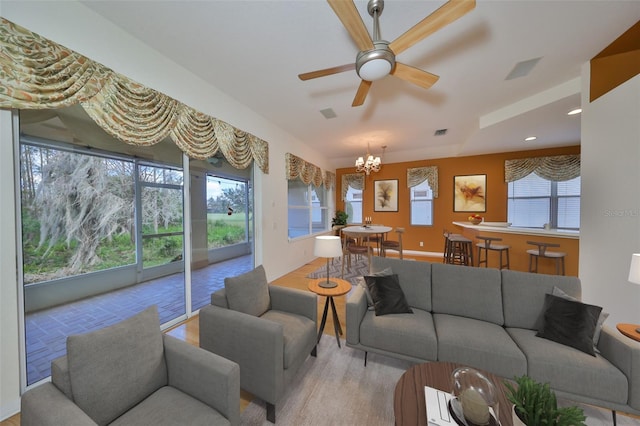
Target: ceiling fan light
(375,69)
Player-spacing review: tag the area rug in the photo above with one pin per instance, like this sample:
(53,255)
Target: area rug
(358,268)
(336,389)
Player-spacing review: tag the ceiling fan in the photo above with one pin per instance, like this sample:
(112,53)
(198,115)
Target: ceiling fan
(377,58)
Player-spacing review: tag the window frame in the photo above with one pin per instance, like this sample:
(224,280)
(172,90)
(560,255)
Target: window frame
(429,199)
(553,203)
(310,208)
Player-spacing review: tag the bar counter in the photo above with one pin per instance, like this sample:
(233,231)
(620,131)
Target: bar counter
(517,239)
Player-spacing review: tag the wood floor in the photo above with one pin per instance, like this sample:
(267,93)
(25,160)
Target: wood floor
(189,330)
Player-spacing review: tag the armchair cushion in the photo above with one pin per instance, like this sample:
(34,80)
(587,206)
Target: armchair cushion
(248,293)
(160,409)
(296,332)
(113,369)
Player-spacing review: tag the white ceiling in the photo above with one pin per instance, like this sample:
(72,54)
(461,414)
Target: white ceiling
(254,50)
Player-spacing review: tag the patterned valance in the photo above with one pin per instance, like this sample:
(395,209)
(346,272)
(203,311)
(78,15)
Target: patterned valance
(557,168)
(354,180)
(36,73)
(297,168)
(418,175)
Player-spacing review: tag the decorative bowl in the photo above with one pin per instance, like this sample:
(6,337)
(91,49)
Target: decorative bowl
(475,220)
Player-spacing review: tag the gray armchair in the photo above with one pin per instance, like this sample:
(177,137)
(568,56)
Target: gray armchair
(268,330)
(132,374)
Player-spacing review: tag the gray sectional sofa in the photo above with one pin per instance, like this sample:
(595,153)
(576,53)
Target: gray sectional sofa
(488,319)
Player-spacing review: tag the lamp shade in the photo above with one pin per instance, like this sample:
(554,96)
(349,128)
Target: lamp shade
(327,246)
(634,270)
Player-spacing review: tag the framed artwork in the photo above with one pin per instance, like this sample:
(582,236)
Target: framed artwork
(470,193)
(385,195)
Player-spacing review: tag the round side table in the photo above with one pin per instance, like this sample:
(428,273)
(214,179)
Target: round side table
(629,330)
(342,288)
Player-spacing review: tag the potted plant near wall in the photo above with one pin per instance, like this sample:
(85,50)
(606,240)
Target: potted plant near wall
(339,221)
(535,404)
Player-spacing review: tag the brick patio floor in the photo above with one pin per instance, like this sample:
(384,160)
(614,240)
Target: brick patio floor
(47,330)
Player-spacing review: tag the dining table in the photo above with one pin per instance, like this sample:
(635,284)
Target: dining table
(366,231)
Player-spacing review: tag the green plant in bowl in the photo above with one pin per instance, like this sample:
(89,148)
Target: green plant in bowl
(535,404)
(340,219)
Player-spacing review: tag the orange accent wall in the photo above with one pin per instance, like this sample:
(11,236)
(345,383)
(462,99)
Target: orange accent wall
(491,165)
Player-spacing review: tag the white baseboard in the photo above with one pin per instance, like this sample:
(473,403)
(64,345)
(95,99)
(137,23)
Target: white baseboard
(10,408)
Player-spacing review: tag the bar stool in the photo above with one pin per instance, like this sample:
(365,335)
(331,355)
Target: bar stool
(458,250)
(541,251)
(393,245)
(486,246)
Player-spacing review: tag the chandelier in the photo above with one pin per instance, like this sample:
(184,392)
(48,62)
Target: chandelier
(371,165)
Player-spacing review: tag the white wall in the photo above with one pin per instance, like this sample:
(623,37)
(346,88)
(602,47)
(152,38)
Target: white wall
(610,199)
(80,29)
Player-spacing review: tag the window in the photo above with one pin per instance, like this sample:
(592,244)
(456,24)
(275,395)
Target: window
(308,209)
(534,201)
(422,204)
(227,212)
(353,205)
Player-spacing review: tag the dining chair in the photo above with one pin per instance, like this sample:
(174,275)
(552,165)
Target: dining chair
(393,244)
(353,246)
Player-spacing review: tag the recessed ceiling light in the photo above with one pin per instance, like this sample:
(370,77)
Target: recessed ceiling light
(575,111)
(530,138)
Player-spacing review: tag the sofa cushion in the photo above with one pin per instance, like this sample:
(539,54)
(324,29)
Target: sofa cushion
(466,291)
(414,277)
(479,344)
(569,322)
(523,295)
(387,295)
(569,370)
(249,292)
(111,370)
(296,332)
(412,335)
(169,406)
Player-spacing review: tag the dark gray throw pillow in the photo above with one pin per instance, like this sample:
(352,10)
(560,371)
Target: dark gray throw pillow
(570,323)
(361,282)
(388,297)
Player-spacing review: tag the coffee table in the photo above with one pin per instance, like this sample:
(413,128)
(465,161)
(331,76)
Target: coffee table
(409,401)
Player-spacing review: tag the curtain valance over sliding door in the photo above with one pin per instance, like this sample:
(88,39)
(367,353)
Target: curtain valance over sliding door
(557,168)
(36,73)
(297,168)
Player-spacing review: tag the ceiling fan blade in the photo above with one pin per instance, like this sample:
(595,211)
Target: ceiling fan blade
(328,71)
(414,75)
(445,15)
(361,94)
(352,21)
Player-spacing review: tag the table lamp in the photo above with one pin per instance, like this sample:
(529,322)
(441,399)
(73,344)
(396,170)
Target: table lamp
(329,247)
(634,274)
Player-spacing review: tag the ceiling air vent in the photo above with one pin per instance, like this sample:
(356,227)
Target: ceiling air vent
(328,113)
(440,132)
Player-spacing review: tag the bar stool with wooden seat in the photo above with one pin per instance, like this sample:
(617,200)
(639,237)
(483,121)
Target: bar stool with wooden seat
(458,249)
(392,244)
(487,246)
(542,251)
